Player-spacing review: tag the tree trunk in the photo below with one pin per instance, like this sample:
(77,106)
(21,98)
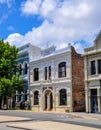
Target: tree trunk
(2,103)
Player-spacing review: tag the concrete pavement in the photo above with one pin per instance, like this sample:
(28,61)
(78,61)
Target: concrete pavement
(91,116)
(12,119)
(49,125)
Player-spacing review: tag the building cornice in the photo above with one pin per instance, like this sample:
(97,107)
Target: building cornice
(92,52)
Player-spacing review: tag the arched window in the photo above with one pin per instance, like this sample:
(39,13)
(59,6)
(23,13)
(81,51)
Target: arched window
(36,98)
(20,69)
(36,74)
(47,73)
(63,97)
(62,70)
(26,68)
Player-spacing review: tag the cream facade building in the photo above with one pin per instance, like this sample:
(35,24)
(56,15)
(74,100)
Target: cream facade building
(51,80)
(92,59)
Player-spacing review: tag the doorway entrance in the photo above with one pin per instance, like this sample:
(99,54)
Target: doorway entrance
(48,100)
(94,101)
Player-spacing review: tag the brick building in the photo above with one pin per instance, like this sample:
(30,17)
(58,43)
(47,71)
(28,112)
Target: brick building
(57,80)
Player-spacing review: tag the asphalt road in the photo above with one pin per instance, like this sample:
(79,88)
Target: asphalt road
(57,117)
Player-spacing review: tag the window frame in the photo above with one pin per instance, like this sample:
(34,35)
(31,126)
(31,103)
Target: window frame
(25,68)
(45,73)
(49,72)
(63,94)
(99,66)
(93,67)
(20,69)
(36,74)
(62,69)
(36,98)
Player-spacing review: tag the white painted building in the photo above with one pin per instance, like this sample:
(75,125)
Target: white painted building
(51,80)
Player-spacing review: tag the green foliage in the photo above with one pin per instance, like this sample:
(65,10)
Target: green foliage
(17,82)
(9,80)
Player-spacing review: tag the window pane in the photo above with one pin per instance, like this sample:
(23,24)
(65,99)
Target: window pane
(99,66)
(93,68)
(45,73)
(20,69)
(49,72)
(25,68)
(63,97)
(36,98)
(36,74)
(62,69)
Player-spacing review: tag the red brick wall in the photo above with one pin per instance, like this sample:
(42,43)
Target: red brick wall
(77,81)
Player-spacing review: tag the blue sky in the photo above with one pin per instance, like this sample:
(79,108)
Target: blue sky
(48,22)
(13,21)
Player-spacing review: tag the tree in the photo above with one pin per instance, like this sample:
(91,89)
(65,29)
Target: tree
(10,80)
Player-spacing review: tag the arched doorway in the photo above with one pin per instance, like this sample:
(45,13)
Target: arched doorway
(48,100)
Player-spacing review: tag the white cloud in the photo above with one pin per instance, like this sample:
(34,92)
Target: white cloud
(48,7)
(15,39)
(31,7)
(2,19)
(8,2)
(10,28)
(65,21)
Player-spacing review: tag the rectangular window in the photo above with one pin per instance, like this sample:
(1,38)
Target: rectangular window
(36,98)
(62,69)
(49,72)
(99,66)
(63,97)
(45,73)
(20,97)
(36,74)
(93,68)
(63,72)
(25,97)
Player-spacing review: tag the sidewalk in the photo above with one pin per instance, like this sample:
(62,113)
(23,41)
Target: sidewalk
(92,116)
(49,125)
(4,119)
